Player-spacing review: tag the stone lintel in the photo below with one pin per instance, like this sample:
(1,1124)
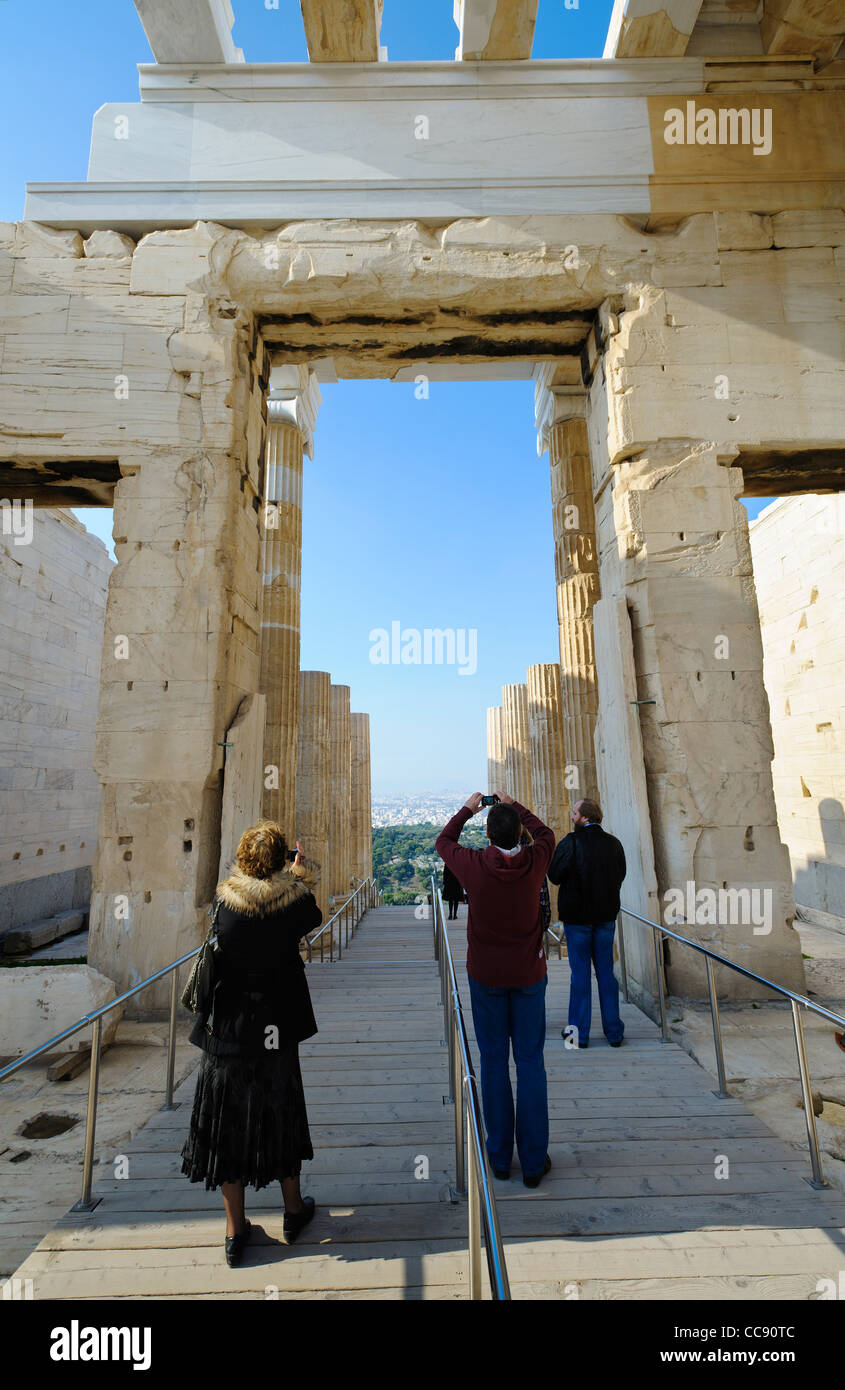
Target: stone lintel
(495,30)
(194,31)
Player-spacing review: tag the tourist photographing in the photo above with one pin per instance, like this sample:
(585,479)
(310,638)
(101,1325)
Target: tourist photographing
(589,866)
(506,964)
(249,1125)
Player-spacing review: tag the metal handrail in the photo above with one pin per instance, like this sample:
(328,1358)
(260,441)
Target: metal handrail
(94,1021)
(468,1124)
(797,1001)
(371,888)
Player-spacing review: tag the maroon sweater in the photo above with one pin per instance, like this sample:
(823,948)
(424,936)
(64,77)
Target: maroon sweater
(504,929)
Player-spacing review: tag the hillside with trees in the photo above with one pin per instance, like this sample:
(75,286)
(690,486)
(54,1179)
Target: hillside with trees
(404,858)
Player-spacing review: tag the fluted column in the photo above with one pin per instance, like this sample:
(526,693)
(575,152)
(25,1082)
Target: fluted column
(361,855)
(549,796)
(281,563)
(515,743)
(291,413)
(495,754)
(313,774)
(564,431)
(340,794)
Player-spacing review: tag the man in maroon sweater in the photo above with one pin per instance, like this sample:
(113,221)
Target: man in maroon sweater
(506,965)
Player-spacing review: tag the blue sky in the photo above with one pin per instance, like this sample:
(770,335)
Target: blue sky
(431,513)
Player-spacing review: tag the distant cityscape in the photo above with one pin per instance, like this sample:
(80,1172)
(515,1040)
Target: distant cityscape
(419,809)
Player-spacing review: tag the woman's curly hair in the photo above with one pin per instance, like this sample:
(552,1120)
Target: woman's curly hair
(262,850)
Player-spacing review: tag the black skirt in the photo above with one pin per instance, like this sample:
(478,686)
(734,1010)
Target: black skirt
(249,1121)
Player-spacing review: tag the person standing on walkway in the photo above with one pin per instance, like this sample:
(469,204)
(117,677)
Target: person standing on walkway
(249,1125)
(506,964)
(589,866)
(452,892)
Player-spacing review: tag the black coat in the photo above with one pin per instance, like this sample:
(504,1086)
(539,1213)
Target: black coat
(452,890)
(260,979)
(589,865)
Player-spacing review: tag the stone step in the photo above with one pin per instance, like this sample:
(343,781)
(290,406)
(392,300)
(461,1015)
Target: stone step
(22,941)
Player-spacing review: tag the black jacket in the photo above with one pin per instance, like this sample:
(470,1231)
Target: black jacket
(259,974)
(589,865)
(452,890)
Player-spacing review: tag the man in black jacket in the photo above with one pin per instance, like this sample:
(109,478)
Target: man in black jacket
(589,866)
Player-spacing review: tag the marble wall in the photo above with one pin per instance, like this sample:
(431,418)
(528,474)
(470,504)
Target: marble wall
(52,611)
(798,549)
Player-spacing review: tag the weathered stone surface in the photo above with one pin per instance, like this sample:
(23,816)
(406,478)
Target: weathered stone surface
(313,775)
(340,801)
(243,777)
(361,819)
(280,604)
(495,30)
(515,743)
(495,749)
(52,611)
(37,1002)
(342,31)
(798,549)
(550,799)
(111,244)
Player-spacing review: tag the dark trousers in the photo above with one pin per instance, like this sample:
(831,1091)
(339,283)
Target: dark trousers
(505,1017)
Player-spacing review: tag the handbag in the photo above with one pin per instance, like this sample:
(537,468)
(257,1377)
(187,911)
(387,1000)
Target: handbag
(197,994)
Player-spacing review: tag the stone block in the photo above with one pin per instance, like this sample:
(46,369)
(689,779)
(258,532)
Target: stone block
(32,239)
(37,1002)
(743,231)
(109,244)
(805,227)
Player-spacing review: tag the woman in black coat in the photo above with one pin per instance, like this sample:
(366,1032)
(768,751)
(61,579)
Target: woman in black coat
(249,1124)
(452,891)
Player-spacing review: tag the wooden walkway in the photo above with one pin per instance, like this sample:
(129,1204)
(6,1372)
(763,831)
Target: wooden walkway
(632,1208)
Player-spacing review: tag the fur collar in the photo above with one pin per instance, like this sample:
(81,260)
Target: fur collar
(259,897)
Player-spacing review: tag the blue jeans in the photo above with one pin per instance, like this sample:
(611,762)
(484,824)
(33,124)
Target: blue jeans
(586,944)
(503,1016)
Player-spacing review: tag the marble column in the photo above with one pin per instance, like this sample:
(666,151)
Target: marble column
(549,796)
(515,743)
(313,773)
(495,757)
(291,409)
(340,807)
(563,430)
(361,829)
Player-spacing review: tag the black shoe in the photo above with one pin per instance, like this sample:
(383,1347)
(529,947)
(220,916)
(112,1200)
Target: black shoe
(235,1246)
(586,1044)
(295,1221)
(503,1174)
(535,1181)
(618,1044)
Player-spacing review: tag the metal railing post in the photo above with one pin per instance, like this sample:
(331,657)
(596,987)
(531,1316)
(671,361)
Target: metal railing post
(474,1205)
(722,1092)
(85,1203)
(818,1179)
(171,1042)
(623,965)
(664,1033)
(457,1093)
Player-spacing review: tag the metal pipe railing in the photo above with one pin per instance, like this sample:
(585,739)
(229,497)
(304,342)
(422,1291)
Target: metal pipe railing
(797,1001)
(472,1171)
(94,1021)
(371,895)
